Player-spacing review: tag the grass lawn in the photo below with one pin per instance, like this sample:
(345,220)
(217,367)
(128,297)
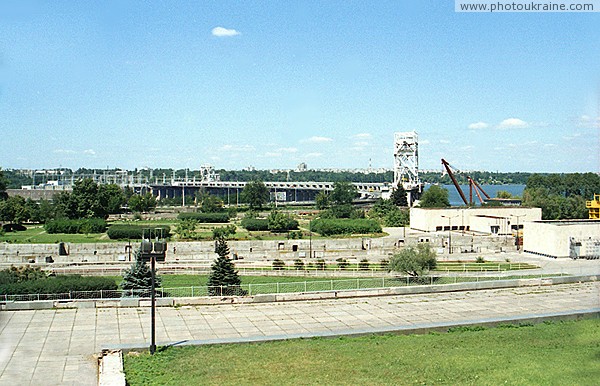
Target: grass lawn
(563,353)
(175,281)
(37,235)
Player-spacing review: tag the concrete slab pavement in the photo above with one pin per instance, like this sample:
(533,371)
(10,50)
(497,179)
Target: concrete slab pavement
(51,347)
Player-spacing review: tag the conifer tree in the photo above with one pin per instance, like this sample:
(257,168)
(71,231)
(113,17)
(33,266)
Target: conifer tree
(223,278)
(398,196)
(139,276)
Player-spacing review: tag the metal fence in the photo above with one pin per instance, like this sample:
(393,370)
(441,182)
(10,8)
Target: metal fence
(359,283)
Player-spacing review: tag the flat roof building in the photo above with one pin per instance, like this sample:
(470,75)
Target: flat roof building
(577,239)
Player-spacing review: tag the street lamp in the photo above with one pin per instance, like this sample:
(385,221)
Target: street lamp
(449,232)
(518,237)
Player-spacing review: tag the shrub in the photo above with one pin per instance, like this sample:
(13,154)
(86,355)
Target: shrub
(480,260)
(90,225)
(298,264)
(59,284)
(21,274)
(364,265)
(255,224)
(320,264)
(126,232)
(280,222)
(278,265)
(342,263)
(217,217)
(328,227)
(224,231)
(384,264)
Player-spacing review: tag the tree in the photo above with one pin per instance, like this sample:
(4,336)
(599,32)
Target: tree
(139,277)
(343,193)
(322,200)
(142,203)
(503,194)
(435,197)
(3,184)
(223,278)
(256,194)
(414,261)
(281,222)
(111,197)
(210,204)
(399,197)
(14,209)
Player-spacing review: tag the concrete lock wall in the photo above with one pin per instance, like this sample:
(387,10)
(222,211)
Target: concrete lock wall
(474,219)
(200,251)
(552,238)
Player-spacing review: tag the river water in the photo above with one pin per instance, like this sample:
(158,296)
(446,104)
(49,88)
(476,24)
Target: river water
(491,190)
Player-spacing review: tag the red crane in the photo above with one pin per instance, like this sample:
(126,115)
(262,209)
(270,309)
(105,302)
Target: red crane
(473,185)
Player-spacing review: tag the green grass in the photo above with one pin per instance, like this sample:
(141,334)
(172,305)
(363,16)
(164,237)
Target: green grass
(37,235)
(565,353)
(175,281)
(472,266)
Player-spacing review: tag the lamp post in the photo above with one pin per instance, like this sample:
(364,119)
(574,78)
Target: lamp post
(449,232)
(310,238)
(518,237)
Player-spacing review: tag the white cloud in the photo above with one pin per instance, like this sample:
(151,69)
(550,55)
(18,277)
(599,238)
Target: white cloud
(444,141)
(478,125)
(313,155)
(424,142)
(64,151)
(221,32)
(288,150)
(272,154)
(513,123)
(361,143)
(317,139)
(236,148)
(89,152)
(589,122)
(362,136)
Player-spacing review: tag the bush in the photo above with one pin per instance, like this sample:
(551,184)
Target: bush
(328,227)
(217,217)
(13,227)
(90,225)
(384,264)
(280,222)
(298,264)
(59,284)
(21,274)
(480,260)
(364,265)
(320,264)
(278,265)
(255,224)
(342,263)
(126,232)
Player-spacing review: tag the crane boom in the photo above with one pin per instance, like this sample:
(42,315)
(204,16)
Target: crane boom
(462,195)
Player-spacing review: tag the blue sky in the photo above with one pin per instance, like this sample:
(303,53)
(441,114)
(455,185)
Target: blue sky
(274,83)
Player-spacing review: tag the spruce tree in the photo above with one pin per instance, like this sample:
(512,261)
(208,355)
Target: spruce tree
(399,197)
(223,278)
(139,277)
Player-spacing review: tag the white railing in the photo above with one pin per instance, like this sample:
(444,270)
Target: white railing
(359,283)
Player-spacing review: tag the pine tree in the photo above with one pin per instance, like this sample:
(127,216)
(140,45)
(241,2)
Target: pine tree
(398,196)
(139,277)
(223,278)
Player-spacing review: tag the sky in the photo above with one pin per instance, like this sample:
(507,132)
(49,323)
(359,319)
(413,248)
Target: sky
(273,83)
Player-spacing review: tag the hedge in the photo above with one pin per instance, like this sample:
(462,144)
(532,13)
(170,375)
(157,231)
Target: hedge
(255,224)
(127,232)
(220,217)
(88,225)
(59,284)
(328,227)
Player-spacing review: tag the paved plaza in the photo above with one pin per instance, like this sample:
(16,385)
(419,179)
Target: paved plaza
(50,347)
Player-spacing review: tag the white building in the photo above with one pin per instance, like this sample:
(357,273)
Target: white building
(487,220)
(563,238)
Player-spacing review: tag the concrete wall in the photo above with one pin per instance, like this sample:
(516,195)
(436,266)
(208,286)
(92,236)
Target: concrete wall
(203,251)
(551,238)
(433,219)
